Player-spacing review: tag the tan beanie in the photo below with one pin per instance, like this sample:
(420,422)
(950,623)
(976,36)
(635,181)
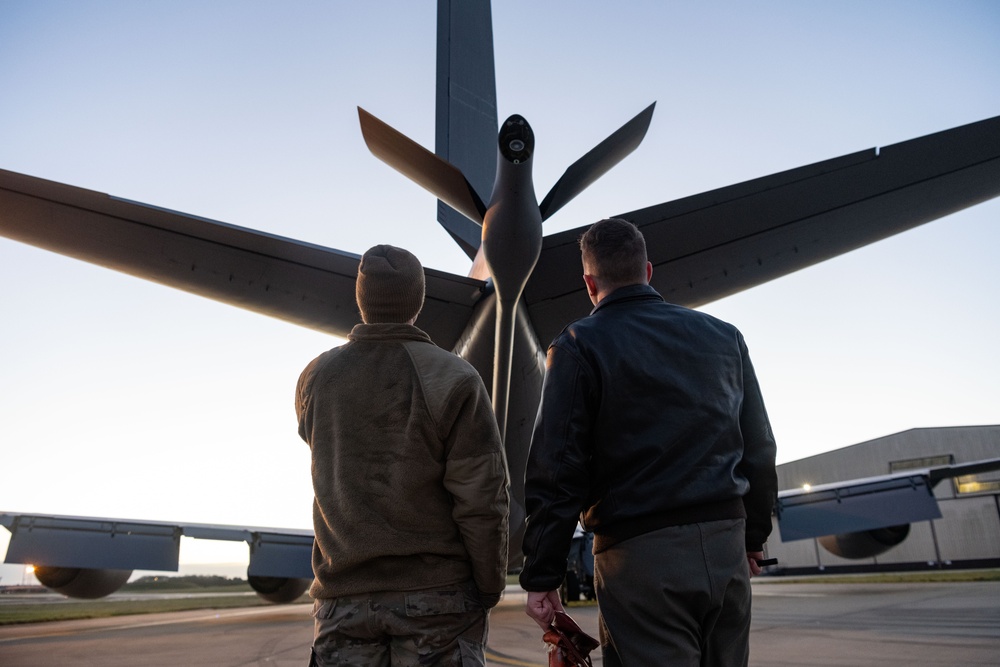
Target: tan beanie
(390,286)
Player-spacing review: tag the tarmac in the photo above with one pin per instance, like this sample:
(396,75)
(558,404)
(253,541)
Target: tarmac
(794,625)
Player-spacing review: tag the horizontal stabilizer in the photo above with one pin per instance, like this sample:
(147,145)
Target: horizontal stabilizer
(722,242)
(294,281)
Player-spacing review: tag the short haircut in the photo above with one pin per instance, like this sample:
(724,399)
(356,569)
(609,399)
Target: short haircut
(614,252)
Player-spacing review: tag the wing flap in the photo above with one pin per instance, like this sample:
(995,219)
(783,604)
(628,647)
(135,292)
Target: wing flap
(124,544)
(856,507)
(93,544)
(870,503)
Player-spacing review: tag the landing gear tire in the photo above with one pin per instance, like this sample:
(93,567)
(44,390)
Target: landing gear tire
(570,590)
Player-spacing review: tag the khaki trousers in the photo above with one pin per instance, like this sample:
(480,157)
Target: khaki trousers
(678,596)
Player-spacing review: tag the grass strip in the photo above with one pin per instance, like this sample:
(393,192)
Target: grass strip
(928,577)
(15,613)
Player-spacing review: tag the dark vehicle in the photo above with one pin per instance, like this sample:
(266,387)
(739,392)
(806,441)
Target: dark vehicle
(579,569)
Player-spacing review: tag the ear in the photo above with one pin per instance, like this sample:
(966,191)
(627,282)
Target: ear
(591,284)
(649,271)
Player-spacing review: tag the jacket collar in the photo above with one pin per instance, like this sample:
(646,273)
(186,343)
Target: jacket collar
(639,292)
(393,331)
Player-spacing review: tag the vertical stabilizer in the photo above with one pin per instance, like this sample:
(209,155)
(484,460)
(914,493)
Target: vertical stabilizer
(466,128)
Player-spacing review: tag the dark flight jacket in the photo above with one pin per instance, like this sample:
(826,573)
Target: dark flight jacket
(651,416)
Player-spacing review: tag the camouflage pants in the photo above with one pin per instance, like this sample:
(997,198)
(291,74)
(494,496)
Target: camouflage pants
(445,627)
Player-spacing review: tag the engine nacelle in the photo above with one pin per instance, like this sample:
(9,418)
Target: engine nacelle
(279,590)
(78,582)
(867,543)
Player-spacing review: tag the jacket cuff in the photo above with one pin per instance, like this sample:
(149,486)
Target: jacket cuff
(489,600)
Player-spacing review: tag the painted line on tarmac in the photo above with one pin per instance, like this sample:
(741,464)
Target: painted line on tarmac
(501,659)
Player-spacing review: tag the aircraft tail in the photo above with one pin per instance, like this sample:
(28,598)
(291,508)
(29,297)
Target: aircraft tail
(466,129)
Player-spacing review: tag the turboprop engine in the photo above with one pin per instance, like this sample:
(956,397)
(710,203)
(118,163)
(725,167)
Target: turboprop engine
(865,544)
(88,584)
(279,590)
(79,582)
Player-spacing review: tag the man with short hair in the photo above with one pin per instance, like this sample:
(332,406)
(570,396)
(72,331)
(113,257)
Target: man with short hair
(653,427)
(411,504)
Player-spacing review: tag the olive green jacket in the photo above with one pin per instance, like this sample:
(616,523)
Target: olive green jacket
(409,475)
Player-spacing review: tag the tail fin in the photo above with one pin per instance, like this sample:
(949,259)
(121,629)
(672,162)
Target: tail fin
(466,129)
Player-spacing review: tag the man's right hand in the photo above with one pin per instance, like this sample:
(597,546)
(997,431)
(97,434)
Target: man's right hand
(542,607)
(752,558)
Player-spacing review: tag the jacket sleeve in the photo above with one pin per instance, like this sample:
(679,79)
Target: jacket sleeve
(303,399)
(557,479)
(758,463)
(476,477)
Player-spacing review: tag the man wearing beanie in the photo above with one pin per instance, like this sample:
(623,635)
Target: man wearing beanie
(411,485)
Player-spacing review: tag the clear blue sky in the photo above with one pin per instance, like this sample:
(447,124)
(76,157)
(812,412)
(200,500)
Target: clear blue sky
(123,398)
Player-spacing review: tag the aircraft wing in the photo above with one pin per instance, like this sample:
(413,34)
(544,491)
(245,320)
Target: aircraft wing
(124,544)
(721,242)
(101,543)
(298,282)
(867,504)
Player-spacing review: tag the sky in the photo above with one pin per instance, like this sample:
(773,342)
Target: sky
(122,398)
